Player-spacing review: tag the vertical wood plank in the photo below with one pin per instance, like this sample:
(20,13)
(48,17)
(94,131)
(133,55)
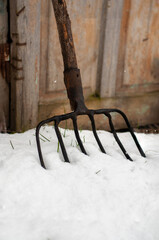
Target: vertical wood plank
(101,45)
(25,58)
(4,89)
(111,48)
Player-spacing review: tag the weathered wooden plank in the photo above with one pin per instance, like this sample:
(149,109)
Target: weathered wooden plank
(3,21)
(25,58)
(4,89)
(101,46)
(111,48)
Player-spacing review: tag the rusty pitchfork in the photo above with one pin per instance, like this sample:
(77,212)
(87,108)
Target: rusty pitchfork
(72,80)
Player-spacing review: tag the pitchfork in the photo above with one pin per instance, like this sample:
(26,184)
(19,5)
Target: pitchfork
(72,79)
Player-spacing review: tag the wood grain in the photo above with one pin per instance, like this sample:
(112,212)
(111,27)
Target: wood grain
(25,57)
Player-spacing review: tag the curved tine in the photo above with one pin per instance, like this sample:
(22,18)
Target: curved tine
(38,144)
(95,133)
(77,135)
(61,142)
(116,137)
(130,130)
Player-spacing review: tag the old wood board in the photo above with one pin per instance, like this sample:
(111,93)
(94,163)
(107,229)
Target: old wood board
(4,87)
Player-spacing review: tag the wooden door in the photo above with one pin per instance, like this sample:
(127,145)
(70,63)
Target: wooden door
(130,71)
(4,57)
(138,62)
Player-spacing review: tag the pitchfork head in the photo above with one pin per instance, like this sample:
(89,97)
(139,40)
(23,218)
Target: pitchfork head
(90,114)
(73,84)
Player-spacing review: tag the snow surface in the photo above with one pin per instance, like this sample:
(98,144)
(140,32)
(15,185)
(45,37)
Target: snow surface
(96,197)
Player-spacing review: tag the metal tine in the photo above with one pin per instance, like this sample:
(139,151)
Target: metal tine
(95,133)
(38,138)
(61,141)
(38,144)
(74,120)
(116,137)
(130,130)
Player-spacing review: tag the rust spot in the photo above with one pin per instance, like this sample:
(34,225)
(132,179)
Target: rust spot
(15,34)
(20,78)
(16,68)
(145,39)
(17,59)
(21,44)
(20,11)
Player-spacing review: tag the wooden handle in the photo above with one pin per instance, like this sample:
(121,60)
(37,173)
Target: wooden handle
(65,34)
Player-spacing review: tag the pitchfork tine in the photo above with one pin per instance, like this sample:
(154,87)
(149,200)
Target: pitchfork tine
(77,136)
(61,142)
(38,144)
(95,134)
(130,130)
(117,138)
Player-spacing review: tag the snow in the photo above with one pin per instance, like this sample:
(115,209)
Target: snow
(96,196)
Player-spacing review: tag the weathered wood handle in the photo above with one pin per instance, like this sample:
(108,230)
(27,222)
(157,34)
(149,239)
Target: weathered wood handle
(65,34)
(72,76)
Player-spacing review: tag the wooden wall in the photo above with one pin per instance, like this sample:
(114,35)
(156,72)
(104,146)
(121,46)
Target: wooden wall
(117,51)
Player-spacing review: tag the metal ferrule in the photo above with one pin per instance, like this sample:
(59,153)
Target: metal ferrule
(73,83)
